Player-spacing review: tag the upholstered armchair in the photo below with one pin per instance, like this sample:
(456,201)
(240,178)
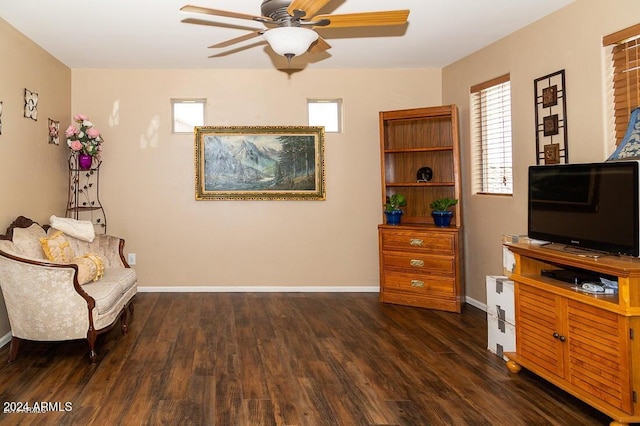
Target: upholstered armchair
(77,295)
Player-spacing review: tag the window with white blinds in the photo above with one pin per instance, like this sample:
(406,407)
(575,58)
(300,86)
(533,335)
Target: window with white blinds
(625,58)
(491,137)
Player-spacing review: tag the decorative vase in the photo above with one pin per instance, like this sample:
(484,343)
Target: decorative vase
(84,161)
(442,218)
(393,217)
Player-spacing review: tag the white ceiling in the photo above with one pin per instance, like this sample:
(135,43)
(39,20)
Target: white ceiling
(150,34)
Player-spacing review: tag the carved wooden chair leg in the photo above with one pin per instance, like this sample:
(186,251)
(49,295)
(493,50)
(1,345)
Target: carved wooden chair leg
(13,349)
(91,339)
(123,322)
(131,307)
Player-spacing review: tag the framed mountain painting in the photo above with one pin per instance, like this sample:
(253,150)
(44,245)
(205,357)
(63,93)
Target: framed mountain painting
(259,163)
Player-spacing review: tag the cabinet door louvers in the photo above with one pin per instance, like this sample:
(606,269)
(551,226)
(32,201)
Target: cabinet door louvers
(538,323)
(598,353)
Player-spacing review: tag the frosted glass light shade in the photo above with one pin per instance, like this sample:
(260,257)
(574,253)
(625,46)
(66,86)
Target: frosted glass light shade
(290,41)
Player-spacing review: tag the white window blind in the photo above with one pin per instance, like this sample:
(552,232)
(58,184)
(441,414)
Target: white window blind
(625,58)
(491,137)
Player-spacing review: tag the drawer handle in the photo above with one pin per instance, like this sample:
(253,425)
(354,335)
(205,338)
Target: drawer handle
(416,262)
(417,283)
(416,242)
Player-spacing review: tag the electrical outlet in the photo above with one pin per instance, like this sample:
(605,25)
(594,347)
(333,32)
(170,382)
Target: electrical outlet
(131,258)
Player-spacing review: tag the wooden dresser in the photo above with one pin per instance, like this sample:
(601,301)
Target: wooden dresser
(420,266)
(420,263)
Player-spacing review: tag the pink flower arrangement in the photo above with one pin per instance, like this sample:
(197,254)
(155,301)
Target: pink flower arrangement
(84,138)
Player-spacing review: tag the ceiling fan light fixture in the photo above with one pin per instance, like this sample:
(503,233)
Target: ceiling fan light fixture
(290,41)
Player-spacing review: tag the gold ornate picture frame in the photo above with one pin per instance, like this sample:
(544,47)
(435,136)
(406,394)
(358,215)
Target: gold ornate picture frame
(259,163)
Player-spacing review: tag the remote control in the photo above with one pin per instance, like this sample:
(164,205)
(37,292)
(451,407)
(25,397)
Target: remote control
(593,287)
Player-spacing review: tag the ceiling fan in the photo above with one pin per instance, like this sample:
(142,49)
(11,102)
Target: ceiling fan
(289,24)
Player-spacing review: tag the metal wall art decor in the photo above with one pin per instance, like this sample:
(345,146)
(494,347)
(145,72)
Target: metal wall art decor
(551,119)
(259,163)
(30,104)
(0,117)
(54,132)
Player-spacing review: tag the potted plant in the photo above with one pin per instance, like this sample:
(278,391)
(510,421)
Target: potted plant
(84,140)
(440,211)
(392,208)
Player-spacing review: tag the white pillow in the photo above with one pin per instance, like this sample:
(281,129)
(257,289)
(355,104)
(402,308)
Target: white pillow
(80,229)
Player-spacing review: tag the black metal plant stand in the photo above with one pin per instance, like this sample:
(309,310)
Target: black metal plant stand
(84,202)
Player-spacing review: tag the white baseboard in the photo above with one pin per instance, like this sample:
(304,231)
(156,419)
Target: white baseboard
(260,289)
(474,302)
(5,339)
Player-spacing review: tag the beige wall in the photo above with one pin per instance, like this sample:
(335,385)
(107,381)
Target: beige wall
(147,176)
(570,39)
(33,174)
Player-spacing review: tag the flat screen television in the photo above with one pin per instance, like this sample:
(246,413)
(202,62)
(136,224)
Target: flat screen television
(592,206)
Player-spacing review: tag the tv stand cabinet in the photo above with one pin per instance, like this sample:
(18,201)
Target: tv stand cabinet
(588,345)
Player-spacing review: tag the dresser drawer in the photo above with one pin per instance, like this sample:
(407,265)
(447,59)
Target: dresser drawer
(418,241)
(418,283)
(419,262)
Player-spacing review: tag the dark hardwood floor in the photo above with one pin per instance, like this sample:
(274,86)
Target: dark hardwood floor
(284,359)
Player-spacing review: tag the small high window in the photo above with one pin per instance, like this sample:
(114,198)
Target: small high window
(327,113)
(186,114)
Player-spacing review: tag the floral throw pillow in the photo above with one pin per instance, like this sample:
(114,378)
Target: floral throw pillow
(57,249)
(90,268)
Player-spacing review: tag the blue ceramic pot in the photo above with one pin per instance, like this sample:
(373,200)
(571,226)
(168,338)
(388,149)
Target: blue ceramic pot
(393,217)
(442,218)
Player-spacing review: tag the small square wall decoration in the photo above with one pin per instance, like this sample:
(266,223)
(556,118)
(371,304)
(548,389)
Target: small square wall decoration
(54,132)
(30,104)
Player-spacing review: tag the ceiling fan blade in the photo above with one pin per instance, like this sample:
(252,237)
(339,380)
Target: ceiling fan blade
(310,7)
(365,19)
(319,46)
(245,37)
(216,12)
(216,24)
(237,49)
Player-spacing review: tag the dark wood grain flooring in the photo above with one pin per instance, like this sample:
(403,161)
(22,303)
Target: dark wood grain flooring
(283,359)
